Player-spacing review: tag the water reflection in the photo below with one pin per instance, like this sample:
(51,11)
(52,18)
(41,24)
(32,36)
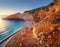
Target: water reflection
(2,25)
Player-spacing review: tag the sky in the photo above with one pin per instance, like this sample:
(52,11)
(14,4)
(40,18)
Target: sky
(8,7)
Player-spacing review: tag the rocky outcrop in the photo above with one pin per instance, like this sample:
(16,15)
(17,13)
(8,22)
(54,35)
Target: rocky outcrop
(13,16)
(24,16)
(48,23)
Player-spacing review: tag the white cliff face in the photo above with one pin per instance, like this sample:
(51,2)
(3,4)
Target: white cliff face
(27,16)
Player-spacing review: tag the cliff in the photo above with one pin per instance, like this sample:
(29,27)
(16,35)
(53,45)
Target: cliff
(46,27)
(13,16)
(47,30)
(41,12)
(27,16)
(46,24)
(24,16)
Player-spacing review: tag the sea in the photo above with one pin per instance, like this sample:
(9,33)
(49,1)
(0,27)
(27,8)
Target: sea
(9,27)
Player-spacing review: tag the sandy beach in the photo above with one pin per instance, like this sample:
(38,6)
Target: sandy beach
(26,24)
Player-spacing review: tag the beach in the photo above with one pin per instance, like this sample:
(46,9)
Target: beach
(26,24)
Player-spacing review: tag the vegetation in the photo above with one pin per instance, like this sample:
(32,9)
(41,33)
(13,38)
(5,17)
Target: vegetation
(57,19)
(46,29)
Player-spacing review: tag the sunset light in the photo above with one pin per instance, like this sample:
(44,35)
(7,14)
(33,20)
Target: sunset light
(29,23)
(2,25)
(6,12)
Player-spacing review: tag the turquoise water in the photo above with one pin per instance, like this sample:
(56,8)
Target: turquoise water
(9,27)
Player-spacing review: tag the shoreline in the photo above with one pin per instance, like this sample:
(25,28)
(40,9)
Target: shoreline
(10,35)
(6,40)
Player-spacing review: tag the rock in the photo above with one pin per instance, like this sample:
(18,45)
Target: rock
(19,16)
(27,16)
(13,16)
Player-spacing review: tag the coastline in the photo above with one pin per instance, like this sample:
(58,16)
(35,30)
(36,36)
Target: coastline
(10,35)
(6,40)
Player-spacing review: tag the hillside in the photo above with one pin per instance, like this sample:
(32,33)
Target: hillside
(45,31)
(41,12)
(13,16)
(19,16)
(38,12)
(46,24)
